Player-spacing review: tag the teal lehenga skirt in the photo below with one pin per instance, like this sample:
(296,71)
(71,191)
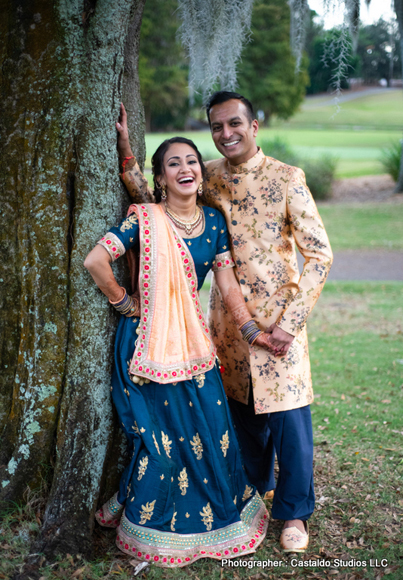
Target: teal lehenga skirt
(184,494)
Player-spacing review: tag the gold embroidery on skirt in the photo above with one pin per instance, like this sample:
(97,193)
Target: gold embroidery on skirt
(247,493)
(147,512)
(166,444)
(183,481)
(156,444)
(207,518)
(224,443)
(197,446)
(173,521)
(143,467)
(200,380)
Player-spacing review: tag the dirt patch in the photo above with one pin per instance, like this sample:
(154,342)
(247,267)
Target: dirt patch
(370,188)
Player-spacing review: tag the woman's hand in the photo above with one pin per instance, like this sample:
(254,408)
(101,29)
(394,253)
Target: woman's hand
(264,342)
(124,148)
(280,340)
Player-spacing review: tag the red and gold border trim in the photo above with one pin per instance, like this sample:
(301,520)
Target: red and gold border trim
(170,550)
(112,245)
(223,261)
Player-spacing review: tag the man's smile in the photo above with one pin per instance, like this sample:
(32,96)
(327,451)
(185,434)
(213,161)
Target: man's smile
(231,143)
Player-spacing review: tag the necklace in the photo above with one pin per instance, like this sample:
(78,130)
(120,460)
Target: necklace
(187,225)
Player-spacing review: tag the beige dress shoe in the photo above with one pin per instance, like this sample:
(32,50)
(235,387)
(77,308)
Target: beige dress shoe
(269,494)
(292,540)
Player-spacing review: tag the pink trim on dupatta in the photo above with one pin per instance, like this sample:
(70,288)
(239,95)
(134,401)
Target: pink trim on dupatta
(174,343)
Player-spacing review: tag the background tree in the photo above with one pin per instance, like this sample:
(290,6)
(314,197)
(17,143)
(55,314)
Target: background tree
(323,50)
(352,14)
(163,68)
(378,52)
(66,65)
(266,74)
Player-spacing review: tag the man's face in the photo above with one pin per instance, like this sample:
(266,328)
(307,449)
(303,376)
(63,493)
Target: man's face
(233,134)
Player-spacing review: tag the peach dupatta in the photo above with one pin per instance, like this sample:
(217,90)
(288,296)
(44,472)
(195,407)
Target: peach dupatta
(174,343)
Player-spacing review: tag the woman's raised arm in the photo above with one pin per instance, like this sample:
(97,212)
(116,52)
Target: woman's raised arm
(132,177)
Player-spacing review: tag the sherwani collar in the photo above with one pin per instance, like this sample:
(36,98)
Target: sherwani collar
(249,165)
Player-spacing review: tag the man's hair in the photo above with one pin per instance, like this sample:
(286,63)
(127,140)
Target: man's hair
(223,96)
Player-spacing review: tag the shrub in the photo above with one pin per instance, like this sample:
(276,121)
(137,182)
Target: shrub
(280,150)
(319,172)
(319,175)
(390,159)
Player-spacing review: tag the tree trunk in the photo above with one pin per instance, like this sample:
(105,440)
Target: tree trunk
(399,17)
(66,64)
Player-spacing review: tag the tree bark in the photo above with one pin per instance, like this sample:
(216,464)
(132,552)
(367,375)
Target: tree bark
(66,65)
(399,17)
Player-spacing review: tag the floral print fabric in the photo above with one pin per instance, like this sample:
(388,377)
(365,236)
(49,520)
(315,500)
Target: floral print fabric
(269,212)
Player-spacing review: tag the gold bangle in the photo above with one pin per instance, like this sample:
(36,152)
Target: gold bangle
(256,337)
(243,324)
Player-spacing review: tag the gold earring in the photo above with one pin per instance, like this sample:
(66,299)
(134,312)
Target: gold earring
(200,188)
(163,192)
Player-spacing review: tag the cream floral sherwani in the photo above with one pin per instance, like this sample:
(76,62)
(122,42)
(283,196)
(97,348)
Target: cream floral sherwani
(269,210)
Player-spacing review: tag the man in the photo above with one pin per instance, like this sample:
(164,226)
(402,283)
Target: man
(269,211)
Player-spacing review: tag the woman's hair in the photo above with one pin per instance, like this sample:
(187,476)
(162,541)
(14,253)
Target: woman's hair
(157,162)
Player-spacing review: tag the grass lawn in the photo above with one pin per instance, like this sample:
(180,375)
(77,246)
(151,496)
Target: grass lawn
(358,152)
(379,111)
(356,349)
(369,226)
(355,135)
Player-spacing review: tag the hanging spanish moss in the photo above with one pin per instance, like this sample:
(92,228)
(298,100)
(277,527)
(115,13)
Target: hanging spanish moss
(299,15)
(213,32)
(339,47)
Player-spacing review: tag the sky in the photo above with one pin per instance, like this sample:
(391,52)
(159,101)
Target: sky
(377,9)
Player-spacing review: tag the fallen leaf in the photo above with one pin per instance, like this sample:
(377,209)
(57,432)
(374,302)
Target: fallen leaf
(343,397)
(364,459)
(78,572)
(386,401)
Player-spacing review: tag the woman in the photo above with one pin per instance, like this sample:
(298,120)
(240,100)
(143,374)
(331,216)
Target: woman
(184,494)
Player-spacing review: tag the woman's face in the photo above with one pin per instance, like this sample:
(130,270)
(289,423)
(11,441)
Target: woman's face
(182,171)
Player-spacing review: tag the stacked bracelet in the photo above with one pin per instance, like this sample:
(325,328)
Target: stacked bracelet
(128,306)
(250,331)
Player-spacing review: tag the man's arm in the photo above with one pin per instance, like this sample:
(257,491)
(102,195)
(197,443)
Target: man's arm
(131,175)
(313,243)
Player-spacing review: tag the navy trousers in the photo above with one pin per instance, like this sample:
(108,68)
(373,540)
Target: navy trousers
(291,434)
